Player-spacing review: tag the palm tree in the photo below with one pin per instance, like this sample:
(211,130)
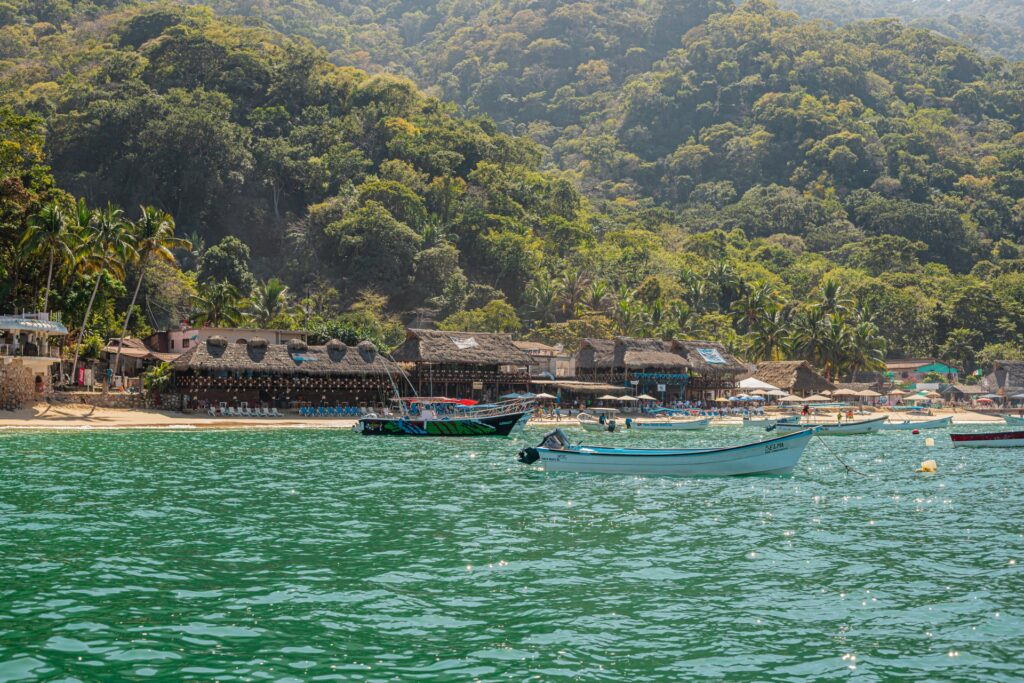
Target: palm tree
(753,304)
(217,304)
(573,285)
(866,349)
(833,298)
(269,300)
(50,233)
(542,298)
(107,245)
(154,239)
(768,339)
(597,296)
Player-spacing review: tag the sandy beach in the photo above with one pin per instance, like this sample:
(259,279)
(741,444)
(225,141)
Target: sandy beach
(78,416)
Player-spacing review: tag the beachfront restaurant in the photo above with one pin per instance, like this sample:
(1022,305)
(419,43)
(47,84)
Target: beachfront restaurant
(254,373)
(477,365)
(28,356)
(669,370)
(794,376)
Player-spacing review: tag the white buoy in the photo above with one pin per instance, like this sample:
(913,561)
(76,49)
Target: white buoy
(929,442)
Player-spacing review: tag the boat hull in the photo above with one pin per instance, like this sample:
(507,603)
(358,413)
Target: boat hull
(838,428)
(937,423)
(1014,420)
(495,425)
(769,421)
(990,440)
(773,456)
(672,425)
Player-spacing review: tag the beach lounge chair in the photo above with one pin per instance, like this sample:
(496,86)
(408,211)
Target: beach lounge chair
(243,411)
(212,411)
(274,413)
(264,412)
(230,412)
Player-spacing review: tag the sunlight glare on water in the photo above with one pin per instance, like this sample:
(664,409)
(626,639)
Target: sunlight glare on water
(318,554)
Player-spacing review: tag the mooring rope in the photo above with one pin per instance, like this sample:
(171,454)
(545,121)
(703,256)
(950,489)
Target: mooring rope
(848,468)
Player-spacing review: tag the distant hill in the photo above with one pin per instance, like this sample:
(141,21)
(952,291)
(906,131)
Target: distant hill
(995,25)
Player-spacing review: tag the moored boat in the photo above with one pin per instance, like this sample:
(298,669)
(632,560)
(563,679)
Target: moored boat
(937,423)
(989,440)
(769,421)
(669,425)
(444,417)
(772,456)
(848,428)
(600,420)
(1013,420)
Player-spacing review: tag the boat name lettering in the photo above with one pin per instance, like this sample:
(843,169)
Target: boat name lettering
(772,447)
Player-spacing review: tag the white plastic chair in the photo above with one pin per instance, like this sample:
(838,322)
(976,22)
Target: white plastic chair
(274,413)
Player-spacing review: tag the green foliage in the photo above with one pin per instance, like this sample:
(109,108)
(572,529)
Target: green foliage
(158,378)
(496,316)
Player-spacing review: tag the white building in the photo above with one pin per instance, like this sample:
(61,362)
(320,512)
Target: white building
(27,355)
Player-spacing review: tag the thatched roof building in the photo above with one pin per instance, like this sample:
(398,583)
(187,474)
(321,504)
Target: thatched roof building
(1006,378)
(459,348)
(670,368)
(293,358)
(794,376)
(707,357)
(595,354)
(640,354)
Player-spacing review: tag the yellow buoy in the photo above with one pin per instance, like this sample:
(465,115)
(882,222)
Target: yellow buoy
(929,441)
(928,466)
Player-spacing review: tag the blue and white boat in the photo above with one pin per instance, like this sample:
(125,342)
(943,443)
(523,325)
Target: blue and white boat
(1013,420)
(834,428)
(684,424)
(772,456)
(769,421)
(936,423)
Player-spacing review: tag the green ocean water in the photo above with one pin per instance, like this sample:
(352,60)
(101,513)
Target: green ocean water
(323,555)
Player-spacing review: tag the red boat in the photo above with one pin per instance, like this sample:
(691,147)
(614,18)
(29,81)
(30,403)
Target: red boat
(989,440)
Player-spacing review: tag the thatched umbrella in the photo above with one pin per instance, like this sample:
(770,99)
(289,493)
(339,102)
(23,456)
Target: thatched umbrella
(645,397)
(817,398)
(792,398)
(867,393)
(545,397)
(897,392)
(843,392)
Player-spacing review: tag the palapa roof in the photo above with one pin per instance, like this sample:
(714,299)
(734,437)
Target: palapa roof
(595,354)
(464,348)
(1005,375)
(793,376)
(636,354)
(700,354)
(965,389)
(293,358)
(135,348)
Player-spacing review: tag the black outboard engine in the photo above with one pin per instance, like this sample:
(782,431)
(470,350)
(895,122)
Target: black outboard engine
(554,439)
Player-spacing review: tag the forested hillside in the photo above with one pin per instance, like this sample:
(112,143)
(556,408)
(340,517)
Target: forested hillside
(676,169)
(995,25)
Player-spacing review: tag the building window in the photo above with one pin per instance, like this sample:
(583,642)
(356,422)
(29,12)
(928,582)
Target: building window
(172,344)
(184,343)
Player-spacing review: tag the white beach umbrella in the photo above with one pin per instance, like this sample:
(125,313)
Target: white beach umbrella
(867,393)
(844,392)
(645,397)
(817,398)
(607,397)
(751,383)
(627,398)
(792,398)
(778,392)
(545,396)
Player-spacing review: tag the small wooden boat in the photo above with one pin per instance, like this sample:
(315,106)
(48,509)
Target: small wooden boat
(1013,420)
(989,440)
(668,425)
(848,428)
(769,421)
(937,423)
(772,456)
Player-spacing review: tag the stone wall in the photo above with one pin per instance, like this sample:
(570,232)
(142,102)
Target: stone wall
(117,400)
(17,385)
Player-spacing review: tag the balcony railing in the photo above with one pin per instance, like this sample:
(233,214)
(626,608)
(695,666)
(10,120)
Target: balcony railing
(19,350)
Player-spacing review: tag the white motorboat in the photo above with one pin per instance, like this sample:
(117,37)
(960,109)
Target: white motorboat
(769,421)
(772,456)
(601,420)
(847,428)
(1013,420)
(669,425)
(906,425)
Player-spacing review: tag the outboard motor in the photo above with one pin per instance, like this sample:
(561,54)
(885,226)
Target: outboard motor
(554,439)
